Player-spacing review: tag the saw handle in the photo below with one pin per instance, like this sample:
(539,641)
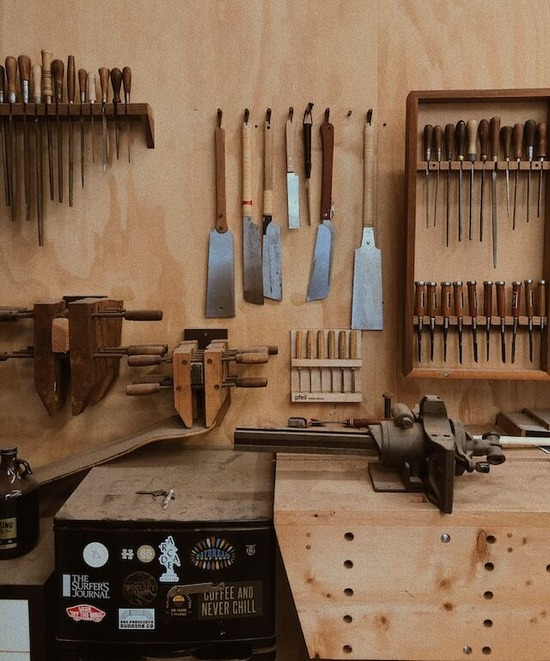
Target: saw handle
(289,134)
(221,210)
(368,173)
(327,139)
(268,166)
(247,167)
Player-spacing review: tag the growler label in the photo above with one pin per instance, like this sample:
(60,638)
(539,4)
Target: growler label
(8,533)
(242,599)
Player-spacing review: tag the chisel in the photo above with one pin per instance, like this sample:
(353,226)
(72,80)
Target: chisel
(116,82)
(460,136)
(58,70)
(449,148)
(529,313)
(506,140)
(541,155)
(458,289)
(437,139)
(47,96)
(494,136)
(11,76)
(529,138)
(24,64)
(517,144)
(82,85)
(104,85)
(488,312)
(501,311)
(516,301)
(483,131)
(446,302)
(428,136)
(5,160)
(541,309)
(127,86)
(471,133)
(38,158)
(71,92)
(92,99)
(419,311)
(472,309)
(431,305)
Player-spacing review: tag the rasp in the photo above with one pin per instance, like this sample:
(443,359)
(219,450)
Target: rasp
(367,308)
(252,235)
(272,269)
(220,290)
(319,280)
(292,179)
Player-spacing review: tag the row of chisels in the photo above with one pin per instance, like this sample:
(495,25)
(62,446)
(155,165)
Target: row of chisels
(492,151)
(446,305)
(38,104)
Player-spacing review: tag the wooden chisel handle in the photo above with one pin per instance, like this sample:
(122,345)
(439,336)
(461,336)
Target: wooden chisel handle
(309,344)
(104,83)
(24,63)
(446,300)
(368,172)
(431,300)
(488,298)
(320,345)
(471,134)
(11,75)
(219,142)
(516,298)
(460,137)
(501,298)
(127,83)
(327,139)
(116,82)
(472,298)
(37,83)
(354,344)
(82,84)
(247,166)
(419,298)
(449,141)
(506,140)
(428,140)
(540,149)
(58,70)
(437,142)
(483,133)
(92,94)
(331,344)
(47,89)
(458,289)
(268,166)
(494,131)
(71,79)
(541,299)
(517,140)
(342,344)
(529,299)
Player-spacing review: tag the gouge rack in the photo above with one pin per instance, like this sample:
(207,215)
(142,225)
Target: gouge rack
(201,378)
(325,365)
(76,341)
(495,141)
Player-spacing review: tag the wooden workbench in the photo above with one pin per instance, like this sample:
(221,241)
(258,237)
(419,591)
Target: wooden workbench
(387,576)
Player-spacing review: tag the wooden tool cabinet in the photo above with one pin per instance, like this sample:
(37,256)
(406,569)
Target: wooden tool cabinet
(522,253)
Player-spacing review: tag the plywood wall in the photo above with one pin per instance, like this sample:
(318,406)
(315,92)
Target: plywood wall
(140,232)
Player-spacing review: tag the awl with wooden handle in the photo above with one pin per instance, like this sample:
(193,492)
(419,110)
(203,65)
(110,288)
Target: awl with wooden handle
(116,83)
(473,310)
(47,96)
(501,311)
(517,146)
(506,140)
(11,76)
(24,64)
(488,312)
(437,151)
(127,85)
(483,131)
(449,149)
(494,133)
(82,87)
(471,133)
(529,134)
(71,95)
(460,137)
(515,307)
(58,72)
(38,155)
(541,310)
(92,97)
(428,138)
(540,154)
(529,312)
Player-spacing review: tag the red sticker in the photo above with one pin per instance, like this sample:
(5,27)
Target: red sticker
(85,613)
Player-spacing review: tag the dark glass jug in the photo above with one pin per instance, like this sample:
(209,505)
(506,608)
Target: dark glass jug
(19,514)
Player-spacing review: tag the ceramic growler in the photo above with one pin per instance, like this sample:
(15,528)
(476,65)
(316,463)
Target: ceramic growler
(19,514)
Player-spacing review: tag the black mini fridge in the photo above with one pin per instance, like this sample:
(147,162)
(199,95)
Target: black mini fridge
(169,562)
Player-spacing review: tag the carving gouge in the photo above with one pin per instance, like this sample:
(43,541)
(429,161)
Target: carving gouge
(458,288)
(472,309)
(449,148)
(483,131)
(47,95)
(92,99)
(446,302)
(506,139)
(82,85)
(529,312)
(419,311)
(104,84)
(116,82)
(428,136)
(437,138)
(488,312)
(542,317)
(24,63)
(460,135)
(71,92)
(431,305)
(494,131)
(58,69)
(471,132)
(541,155)
(38,159)
(11,75)
(306,127)
(501,311)
(517,140)
(127,85)
(516,301)
(529,137)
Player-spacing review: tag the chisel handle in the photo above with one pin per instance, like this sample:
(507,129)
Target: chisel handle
(342,344)
(299,345)
(219,145)
(327,139)
(541,141)
(354,344)
(104,74)
(251,358)
(2,83)
(36,83)
(82,84)
(47,89)
(501,298)
(116,82)
(71,79)
(437,142)
(458,289)
(137,389)
(471,133)
(428,139)
(331,344)
(483,133)
(516,298)
(431,300)
(127,83)
(488,298)
(320,345)
(24,64)
(460,137)
(11,75)
(247,382)
(246,166)
(446,300)
(310,341)
(529,298)
(494,131)
(529,133)
(472,298)
(419,298)
(92,94)
(449,141)
(506,141)
(541,299)
(517,141)
(268,166)
(144,360)
(58,70)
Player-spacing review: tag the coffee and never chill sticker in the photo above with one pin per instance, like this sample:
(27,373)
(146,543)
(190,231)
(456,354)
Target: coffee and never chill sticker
(241,599)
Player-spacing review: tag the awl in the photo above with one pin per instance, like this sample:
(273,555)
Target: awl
(319,280)
(516,301)
(58,71)
(458,289)
(529,137)
(428,137)
(24,63)
(488,312)
(471,132)
(71,95)
(104,74)
(367,306)
(529,312)
(272,267)
(494,131)
(460,136)
(501,311)
(292,179)
(252,235)
(446,303)
(220,291)
(472,309)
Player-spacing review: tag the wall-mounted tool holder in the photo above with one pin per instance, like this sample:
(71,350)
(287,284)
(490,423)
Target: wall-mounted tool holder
(201,378)
(477,231)
(325,365)
(77,348)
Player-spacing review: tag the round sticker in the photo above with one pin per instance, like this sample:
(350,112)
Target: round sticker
(146,553)
(95,554)
(139,588)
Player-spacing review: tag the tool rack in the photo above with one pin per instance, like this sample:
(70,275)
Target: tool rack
(521,252)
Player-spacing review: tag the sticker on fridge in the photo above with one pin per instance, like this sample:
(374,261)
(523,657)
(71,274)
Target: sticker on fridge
(136,618)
